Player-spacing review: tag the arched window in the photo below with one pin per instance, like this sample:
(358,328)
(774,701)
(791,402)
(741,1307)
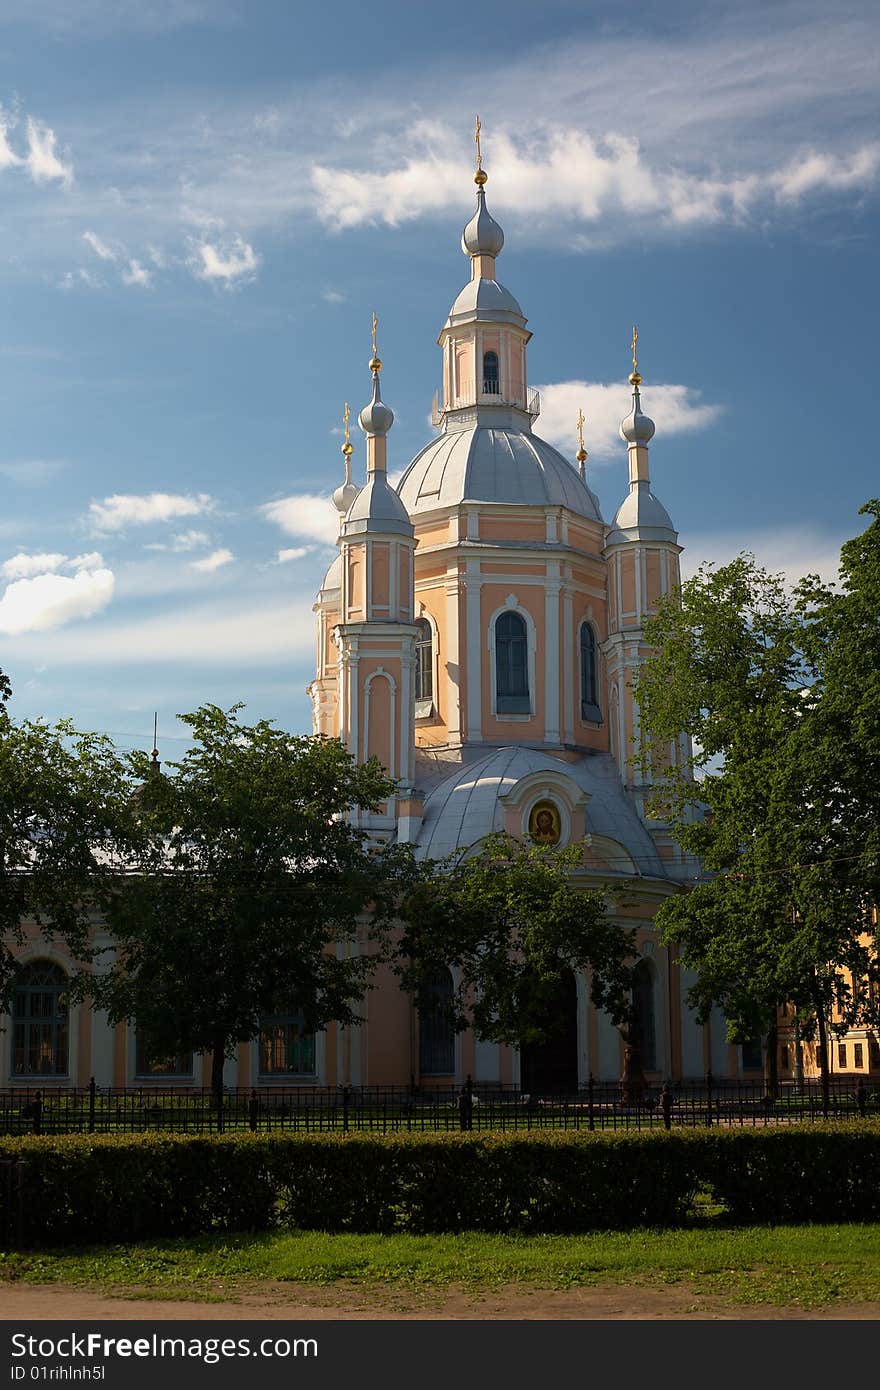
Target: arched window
(589,684)
(511,665)
(424,665)
(490,374)
(40,1021)
(643,1000)
(436,1034)
(286,1048)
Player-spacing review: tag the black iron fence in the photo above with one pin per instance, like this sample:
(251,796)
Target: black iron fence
(393,1109)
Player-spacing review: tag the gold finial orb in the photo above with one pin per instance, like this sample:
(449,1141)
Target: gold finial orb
(634,376)
(581,454)
(375,360)
(480,177)
(348,448)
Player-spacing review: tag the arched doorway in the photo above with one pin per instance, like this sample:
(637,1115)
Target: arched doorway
(643,1002)
(552,1065)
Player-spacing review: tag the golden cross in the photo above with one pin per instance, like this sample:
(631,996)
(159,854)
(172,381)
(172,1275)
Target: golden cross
(375,326)
(580,429)
(346,415)
(634,346)
(477,139)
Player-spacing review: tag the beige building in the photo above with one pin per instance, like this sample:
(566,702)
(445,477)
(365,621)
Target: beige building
(479,632)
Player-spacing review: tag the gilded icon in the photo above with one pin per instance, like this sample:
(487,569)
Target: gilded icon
(545,827)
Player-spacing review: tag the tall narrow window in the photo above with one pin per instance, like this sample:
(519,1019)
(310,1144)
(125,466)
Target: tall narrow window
(436,1034)
(511,665)
(424,668)
(643,1000)
(286,1048)
(589,685)
(490,374)
(40,1021)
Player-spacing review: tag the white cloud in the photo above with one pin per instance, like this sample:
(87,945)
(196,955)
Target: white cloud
(23,566)
(305,514)
(93,560)
(295,552)
(212,562)
(200,634)
(99,247)
(71,278)
(137,274)
(42,161)
(49,600)
(674,410)
(181,542)
(230,263)
(333,296)
(127,509)
(789,550)
(576,177)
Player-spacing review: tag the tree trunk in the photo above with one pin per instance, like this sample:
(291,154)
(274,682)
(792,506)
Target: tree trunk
(218,1057)
(771,1077)
(798,1054)
(823,1059)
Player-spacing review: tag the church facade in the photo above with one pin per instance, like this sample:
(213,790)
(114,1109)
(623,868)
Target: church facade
(478,632)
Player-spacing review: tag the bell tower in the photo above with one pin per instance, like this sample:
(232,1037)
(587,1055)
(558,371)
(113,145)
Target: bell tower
(642,551)
(375,636)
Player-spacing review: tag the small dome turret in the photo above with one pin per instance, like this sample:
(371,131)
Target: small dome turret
(482,236)
(636,428)
(376,417)
(347,490)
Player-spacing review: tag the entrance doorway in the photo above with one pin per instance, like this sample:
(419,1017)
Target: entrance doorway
(552,1065)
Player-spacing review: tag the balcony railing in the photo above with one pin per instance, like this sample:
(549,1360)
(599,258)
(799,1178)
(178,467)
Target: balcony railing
(493,394)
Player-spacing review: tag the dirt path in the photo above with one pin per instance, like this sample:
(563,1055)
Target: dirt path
(274,1302)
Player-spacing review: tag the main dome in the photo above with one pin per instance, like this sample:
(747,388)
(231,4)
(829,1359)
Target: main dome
(483,464)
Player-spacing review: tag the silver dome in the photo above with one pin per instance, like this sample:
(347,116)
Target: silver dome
(484,464)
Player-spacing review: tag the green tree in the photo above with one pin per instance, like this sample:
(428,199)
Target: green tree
(64,808)
(782,914)
(510,919)
(246,879)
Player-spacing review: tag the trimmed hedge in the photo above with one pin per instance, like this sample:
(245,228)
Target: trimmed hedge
(93,1189)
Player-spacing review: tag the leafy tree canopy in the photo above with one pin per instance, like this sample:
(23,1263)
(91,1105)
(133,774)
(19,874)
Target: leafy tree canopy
(780,797)
(509,919)
(249,887)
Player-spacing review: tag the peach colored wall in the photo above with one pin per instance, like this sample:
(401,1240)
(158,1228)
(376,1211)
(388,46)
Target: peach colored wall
(435,534)
(505,529)
(464,368)
(652,566)
(355,595)
(379,575)
(628,584)
(391,1059)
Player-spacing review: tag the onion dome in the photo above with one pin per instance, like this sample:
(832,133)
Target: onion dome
(482,236)
(347,490)
(636,428)
(377,417)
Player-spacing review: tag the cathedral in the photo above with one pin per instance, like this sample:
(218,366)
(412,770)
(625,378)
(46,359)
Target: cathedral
(478,632)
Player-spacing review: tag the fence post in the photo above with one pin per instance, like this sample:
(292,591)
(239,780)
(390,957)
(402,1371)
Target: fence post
(220,1115)
(708,1098)
(92,1089)
(666,1104)
(38,1112)
(253,1111)
(591,1088)
(346,1105)
(861,1097)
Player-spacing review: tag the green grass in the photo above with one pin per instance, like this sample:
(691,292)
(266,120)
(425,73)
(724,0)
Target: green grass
(807,1266)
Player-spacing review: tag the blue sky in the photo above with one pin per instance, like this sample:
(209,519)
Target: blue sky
(204,200)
